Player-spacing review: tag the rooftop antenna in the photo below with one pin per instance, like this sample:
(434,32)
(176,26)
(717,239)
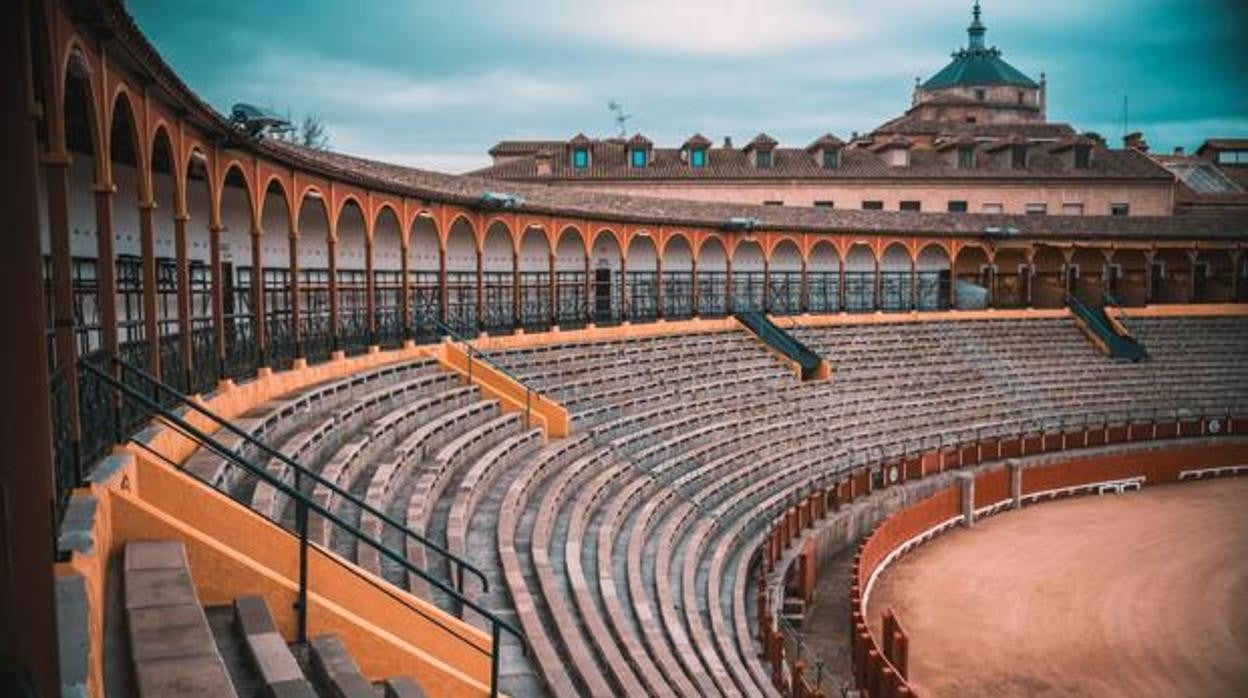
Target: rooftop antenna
(620,118)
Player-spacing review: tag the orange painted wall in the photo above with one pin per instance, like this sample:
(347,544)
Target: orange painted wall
(235,552)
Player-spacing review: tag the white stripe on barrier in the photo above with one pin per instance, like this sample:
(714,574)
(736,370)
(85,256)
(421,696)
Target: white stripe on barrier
(1223,471)
(910,544)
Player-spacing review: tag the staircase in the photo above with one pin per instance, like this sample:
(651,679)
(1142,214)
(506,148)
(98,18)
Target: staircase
(813,367)
(1110,336)
(179,647)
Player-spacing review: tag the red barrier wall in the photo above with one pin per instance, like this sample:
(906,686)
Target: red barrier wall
(879,668)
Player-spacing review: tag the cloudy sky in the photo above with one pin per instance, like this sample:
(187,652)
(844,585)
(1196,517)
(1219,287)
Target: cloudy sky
(433,83)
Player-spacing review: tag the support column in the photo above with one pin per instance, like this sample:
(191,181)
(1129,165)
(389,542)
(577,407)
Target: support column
(443,301)
(1148,277)
(480,294)
(56,169)
(27,601)
(405,298)
(766,284)
(840,286)
(625,301)
(1016,483)
(370,289)
(183,271)
(218,294)
(296,309)
(694,310)
(106,266)
(147,246)
(260,329)
(331,245)
(914,285)
(878,301)
(1236,281)
(730,301)
(658,280)
(953,282)
(516,304)
(966,483)
(590,310)
(553,283)
(803,291)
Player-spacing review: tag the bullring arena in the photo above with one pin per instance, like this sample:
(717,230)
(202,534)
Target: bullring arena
(1104,595)
(956,406)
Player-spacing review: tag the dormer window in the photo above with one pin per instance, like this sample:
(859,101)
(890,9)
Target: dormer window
(1018,156)
(580,158)
(831,159)
(697,158)
(638,158)
(1083,157)
(762,159)
(966,157)
(980,95)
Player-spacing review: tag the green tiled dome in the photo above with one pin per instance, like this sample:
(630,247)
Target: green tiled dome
(977,65)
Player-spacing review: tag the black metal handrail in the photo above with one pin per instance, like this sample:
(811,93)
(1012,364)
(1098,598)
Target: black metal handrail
(472,351)
(458,564)
(305,505)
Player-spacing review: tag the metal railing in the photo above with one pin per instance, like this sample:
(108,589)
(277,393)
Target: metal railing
(474,353)
(304,506)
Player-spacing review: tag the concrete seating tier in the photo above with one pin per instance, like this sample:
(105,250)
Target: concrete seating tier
(627,552)
(631,556)
(179,648)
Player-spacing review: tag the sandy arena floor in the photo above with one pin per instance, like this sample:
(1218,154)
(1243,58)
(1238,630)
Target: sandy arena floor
(1139,594)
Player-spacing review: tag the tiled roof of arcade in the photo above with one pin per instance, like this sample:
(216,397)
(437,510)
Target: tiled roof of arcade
(112,19)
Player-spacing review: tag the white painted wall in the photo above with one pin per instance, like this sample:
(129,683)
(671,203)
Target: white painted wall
(387,243)
(497,255)
(422,248)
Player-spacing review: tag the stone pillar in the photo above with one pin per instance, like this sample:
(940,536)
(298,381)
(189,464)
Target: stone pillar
(1016,482)
(553,283)
(184,298)
(151,328)
(966,483)
(28,645)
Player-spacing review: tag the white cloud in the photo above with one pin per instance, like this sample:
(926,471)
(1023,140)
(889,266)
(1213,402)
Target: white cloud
(696,27)
(329,84)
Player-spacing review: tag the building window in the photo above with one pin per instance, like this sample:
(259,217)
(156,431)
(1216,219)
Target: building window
(773,203)
(971,120)
(639,157)
(1036,209)
(957,207)
(873,205)
(980,95)
(1072,209)
(966,157)
(1018,156)
(824,203)
(994,208)
(911,206)
(1083,157)
(1233,157)
(697,157)
(1020,96)
(580,158)
(762,159)
(831,159)
(1119,209)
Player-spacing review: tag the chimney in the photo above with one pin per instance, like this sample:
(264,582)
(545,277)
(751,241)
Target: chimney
(1135,141)
(728,142)
(1179,151)
(543,159)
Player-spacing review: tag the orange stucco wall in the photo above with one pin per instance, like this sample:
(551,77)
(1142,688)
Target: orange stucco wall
(234,552)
